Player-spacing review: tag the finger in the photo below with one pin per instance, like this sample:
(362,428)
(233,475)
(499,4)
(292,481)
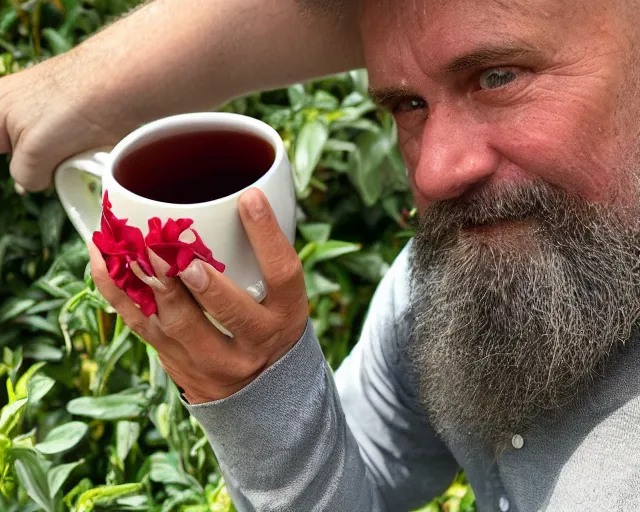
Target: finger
(30,173)
(180,316)
(147,328)
(227,303)
(278,260)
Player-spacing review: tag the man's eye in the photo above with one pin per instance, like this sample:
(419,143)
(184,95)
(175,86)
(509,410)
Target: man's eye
(408,105)
(496,78)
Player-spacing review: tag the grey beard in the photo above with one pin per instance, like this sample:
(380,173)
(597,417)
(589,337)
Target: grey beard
(503,332)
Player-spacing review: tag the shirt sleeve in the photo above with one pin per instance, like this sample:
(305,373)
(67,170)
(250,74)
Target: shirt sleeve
(298,440)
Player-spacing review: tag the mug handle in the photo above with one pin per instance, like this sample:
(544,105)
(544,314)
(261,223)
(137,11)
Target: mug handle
(75,183)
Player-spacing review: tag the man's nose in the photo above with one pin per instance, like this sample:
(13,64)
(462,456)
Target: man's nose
(455,156)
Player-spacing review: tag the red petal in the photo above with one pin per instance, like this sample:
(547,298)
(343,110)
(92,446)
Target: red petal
(168,252)
(171,231)
(185,257)
(120,245)
(218,265)
(200,249)
(155,231)
(142,295)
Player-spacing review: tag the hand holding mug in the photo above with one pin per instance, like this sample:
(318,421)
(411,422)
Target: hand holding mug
(214,194)
(200,359)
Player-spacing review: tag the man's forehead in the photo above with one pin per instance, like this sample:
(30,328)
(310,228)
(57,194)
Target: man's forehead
(453,16)
(430,33)
(522,8)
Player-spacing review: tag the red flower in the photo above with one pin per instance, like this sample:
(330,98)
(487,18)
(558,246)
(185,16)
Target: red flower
(120,246)
(178,245)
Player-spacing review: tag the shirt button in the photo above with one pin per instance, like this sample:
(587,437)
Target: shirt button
(517,441)
(503,504)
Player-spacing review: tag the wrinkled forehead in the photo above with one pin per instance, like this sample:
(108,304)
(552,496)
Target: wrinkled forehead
(441,28)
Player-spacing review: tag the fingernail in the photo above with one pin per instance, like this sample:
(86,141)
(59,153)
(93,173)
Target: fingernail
(195,276)
(254,204)
(151,281)
(20,190)
(160,267)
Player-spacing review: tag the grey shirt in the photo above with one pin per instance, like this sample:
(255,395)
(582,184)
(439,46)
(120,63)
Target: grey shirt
(300,439)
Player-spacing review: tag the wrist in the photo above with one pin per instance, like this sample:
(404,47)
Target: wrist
(205,389)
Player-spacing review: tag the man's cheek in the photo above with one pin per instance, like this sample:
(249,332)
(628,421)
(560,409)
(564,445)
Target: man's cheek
(557,145)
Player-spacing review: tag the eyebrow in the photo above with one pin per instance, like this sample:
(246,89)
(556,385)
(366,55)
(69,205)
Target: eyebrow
(487,55)
(381,95)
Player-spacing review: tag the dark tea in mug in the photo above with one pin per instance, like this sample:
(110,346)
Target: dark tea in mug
(195,167)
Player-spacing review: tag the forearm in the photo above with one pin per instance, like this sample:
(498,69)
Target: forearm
(283,442)
(174,56)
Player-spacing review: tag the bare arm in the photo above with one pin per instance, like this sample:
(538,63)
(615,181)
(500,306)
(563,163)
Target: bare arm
(177,55)
(170,56)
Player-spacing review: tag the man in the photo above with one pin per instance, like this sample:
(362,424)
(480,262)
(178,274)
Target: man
(504,338)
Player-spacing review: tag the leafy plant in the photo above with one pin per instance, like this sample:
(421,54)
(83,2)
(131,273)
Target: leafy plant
(89,421)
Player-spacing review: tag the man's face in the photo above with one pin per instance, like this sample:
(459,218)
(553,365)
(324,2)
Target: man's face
(503,91)
(517,120)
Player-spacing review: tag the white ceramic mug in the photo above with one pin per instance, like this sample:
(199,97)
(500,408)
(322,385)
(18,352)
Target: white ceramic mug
(217,221)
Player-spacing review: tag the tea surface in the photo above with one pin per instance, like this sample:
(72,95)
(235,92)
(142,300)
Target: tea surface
(195,167)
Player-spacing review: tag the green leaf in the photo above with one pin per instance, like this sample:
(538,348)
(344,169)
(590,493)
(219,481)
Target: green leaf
(221,501)
(58,476)
(316,231)
(23,381)
(10,415)
(164,469)
(430,507)
(104,494)
(42,351)
(108,358)
(38,323)
(157,376)
(340,145)
(38,387)
(33,477)
(63,438)
(297,96)
(360,78)
(309,146)
(136,502)
(317,285)
(330,250)
(180,498)
(13,307)
(57,42)
(110,407)
(162,420)
(373,148)
(45,306)
(369,265)
(82,486)
(325,101)
(307,251)
(127,434)
(9,18)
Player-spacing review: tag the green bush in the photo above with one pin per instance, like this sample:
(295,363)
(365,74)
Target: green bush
(89,419)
